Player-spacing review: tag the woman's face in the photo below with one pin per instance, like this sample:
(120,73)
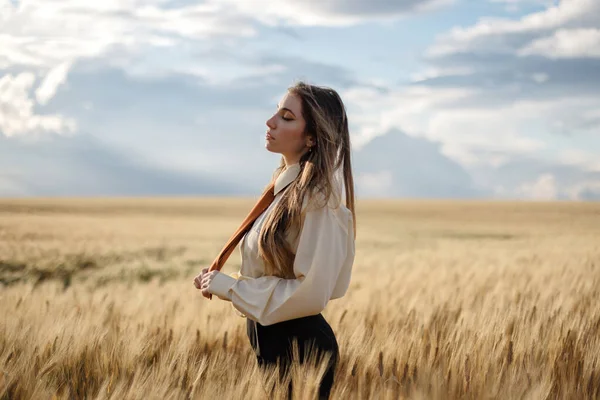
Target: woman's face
(285,133)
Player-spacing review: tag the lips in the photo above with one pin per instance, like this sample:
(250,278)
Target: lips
(268,136)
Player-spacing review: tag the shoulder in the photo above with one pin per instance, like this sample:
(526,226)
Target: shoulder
(316,200)
(332,209)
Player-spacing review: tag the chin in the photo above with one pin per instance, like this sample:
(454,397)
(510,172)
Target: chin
(270,148)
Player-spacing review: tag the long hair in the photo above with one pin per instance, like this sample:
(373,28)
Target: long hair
(327,122)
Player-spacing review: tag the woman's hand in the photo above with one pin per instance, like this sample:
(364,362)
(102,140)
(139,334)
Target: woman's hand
(203,280)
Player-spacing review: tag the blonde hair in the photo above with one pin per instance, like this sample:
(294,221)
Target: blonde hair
(327,122)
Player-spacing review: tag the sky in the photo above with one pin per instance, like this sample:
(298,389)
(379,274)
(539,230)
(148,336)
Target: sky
(487,99)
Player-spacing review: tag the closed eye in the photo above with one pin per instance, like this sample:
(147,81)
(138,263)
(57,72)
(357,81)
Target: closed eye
(285,109)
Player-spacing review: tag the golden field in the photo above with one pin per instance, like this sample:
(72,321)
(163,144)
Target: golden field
(449,300)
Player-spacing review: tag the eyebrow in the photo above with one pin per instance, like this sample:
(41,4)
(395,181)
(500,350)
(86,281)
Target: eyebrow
(286,109)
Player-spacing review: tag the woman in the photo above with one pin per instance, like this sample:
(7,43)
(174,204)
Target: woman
(299,252)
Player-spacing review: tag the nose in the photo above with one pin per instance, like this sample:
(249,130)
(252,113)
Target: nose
(271,122)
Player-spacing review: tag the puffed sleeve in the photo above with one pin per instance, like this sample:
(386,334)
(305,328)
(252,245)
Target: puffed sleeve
(323,249)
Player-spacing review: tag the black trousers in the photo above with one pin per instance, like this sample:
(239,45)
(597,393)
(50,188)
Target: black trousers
(314,337)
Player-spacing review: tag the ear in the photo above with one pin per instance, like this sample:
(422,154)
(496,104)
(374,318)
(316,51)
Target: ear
(310,141)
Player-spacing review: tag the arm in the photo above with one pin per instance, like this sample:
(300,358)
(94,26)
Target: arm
(322,251)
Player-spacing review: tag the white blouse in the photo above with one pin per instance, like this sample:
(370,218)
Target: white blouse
(323,264)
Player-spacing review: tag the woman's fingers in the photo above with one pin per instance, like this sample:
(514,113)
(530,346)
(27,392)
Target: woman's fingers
(203,280)
(198,279)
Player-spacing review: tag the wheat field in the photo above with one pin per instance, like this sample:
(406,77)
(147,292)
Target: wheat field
(448,300)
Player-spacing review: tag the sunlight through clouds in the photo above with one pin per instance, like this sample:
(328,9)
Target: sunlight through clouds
(45,34)
(17,116)
(175,82)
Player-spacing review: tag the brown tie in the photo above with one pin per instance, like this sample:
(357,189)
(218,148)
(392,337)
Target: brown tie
(261,205)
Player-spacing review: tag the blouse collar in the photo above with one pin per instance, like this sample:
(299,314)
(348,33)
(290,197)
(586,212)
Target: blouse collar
(286,177)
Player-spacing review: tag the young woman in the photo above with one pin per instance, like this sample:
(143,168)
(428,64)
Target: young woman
(299,253)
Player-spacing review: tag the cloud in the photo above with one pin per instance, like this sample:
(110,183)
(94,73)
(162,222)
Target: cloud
(45,34)
(582,159)
(548,59)
(182,123)
(532,176)
(17,115)
(503,99)
(398,165)
(566,43)
(174,84)
(56,77)
(544,188)
(42,35)
(377,110)
(516,5)
(470,135)
(84,166)
(540,70)
(330,12)
(501,35)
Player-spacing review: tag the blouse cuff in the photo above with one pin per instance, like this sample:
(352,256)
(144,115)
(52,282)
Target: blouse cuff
(220,285)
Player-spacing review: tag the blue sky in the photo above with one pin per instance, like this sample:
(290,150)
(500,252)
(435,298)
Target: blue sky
(447,99)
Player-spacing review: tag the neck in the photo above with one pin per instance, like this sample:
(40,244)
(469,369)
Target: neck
(290,161)
(293,159)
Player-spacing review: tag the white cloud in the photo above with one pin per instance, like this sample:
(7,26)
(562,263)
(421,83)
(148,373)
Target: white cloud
(42,34)
(436,72)
(46,38)
(580,158)
(38,33)
(574,115)
(490,34)
(544,188)
(512,103)
(56,77)
(566,43)
(470,134)
(408,109)
(330,12)
(471,131)
(396,164)
(17,116)
(480,112)
(496,96)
